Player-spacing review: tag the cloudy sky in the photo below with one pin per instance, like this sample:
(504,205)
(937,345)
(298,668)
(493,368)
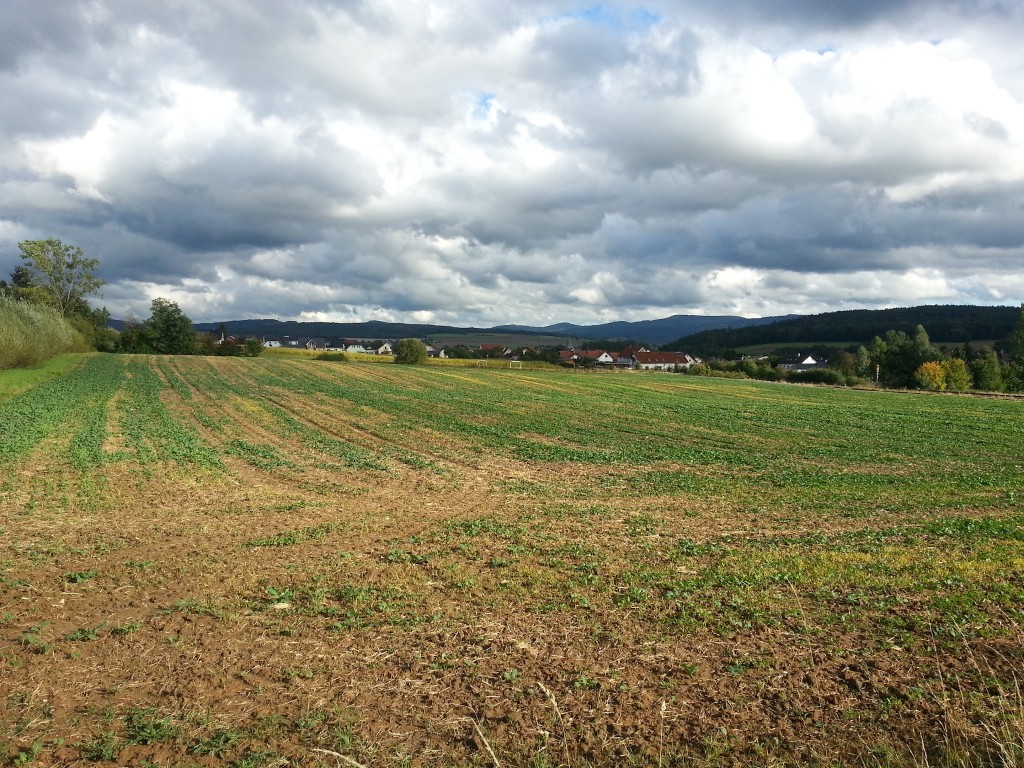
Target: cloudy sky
(476,162)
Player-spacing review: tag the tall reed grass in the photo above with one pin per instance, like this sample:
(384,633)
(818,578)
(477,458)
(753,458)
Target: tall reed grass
(982,728)
(31,334)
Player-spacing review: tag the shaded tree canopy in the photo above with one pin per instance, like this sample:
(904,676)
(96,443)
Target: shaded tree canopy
(168,331)
(1015,339)
(985,369)
(857,326)
(898,356)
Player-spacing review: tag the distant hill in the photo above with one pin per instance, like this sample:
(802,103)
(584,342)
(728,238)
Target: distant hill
(373,329)
(945,324)
(648,331)
(705,335)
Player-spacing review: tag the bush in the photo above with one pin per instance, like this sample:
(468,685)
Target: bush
(410,352)
(817,376)
(738,369)
(986,372)
(31,334)
(168,331)
(958,375)
(931,375)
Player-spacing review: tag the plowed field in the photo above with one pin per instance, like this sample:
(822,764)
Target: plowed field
(271,562)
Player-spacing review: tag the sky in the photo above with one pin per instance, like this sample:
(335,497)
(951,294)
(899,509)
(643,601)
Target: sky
(482,162)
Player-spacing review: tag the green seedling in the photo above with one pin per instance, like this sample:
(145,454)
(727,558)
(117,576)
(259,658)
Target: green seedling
(103,748)
(217,745)
(283,595)
(28,757)
(84,634)
(144,726)
(32,639)
(126,629)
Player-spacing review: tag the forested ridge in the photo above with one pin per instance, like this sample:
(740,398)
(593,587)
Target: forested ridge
(952,324)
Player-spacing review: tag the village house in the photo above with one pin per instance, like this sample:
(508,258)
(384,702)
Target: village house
(519,353)
(625,357)
(802,362)
(663,361)
(598,356)
(355,347)
(434,350)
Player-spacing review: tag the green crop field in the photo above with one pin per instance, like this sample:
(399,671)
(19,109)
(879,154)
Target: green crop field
(291,561)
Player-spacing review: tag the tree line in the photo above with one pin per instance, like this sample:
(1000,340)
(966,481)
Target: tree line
(948,323)
(900,360)
(57,279)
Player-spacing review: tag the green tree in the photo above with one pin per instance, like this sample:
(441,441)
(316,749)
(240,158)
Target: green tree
(60,275)
(1015,340)
(93,324)
(923,347)
(132,338)
(22,286)
(844,362)
(231,347)
(1013,377)
(544,355)
(168,330)
(459,352)
(898,356)
(865,367)
(410,352)
(958,375)
(986,371)
(252,348)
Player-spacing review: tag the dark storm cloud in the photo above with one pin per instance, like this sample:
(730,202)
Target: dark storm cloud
(46,106)
(241,194)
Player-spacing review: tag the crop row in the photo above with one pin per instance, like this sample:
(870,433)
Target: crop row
(783,444)
(151,432)
(757,444)
(53,406)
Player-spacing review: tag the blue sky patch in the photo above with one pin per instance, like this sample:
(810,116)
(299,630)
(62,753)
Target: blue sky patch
(609,16)
(482,106)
